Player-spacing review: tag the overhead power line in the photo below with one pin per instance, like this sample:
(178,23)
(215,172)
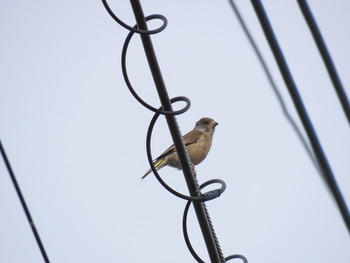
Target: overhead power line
(303,115)
(23,203)
(327,59)
(274,85)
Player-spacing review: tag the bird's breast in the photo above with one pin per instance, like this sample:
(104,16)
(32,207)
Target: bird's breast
(198,151)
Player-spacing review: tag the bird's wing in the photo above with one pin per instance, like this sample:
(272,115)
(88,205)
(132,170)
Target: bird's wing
(190,138)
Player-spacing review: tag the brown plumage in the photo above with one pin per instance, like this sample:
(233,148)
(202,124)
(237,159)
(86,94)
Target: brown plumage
(198,143)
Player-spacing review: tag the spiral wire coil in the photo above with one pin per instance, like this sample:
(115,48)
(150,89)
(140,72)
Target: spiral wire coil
(202,197)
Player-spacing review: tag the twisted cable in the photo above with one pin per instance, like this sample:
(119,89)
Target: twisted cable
(196,197)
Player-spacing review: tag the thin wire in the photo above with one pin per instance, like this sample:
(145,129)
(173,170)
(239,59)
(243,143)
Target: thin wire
(216,240)
(327,59)
(218,247)
(134,29)
(274,86)
(24,205)
(303,115)
(185,232)
(245,260)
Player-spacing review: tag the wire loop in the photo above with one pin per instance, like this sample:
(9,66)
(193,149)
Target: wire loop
(210,195)
(134,29)
(132,90)
(185,232)
(245,260)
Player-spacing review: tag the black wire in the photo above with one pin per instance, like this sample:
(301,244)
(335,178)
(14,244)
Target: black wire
(185,232)
(197,197)
(23,203)
(131,89)
(166,109)
(245,260)
(135,29)
(202,197)
(294,93)
(274,86)
(327,59)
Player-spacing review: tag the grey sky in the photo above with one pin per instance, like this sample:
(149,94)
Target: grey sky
(76,137)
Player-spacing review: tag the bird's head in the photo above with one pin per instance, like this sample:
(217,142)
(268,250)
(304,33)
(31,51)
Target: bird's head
(206,125)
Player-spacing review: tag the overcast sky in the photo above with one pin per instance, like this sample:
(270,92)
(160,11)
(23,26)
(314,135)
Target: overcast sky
(75,136)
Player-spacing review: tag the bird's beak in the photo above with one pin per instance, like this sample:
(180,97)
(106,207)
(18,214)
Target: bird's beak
(215,123)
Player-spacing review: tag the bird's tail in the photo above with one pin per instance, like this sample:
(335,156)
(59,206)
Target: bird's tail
(157,164)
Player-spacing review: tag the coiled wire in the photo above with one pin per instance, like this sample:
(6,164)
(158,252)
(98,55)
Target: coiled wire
(159,111)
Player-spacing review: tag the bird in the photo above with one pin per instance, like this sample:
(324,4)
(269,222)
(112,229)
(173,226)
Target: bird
(198,143)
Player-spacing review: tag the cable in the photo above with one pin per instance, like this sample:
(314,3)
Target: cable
(299,105)
(245,260)
(135,29)
(23,203)
(274,86)
(327,59)
(188,169)
(185,232)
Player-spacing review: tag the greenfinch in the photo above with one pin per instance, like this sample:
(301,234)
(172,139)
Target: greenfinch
(198,143)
